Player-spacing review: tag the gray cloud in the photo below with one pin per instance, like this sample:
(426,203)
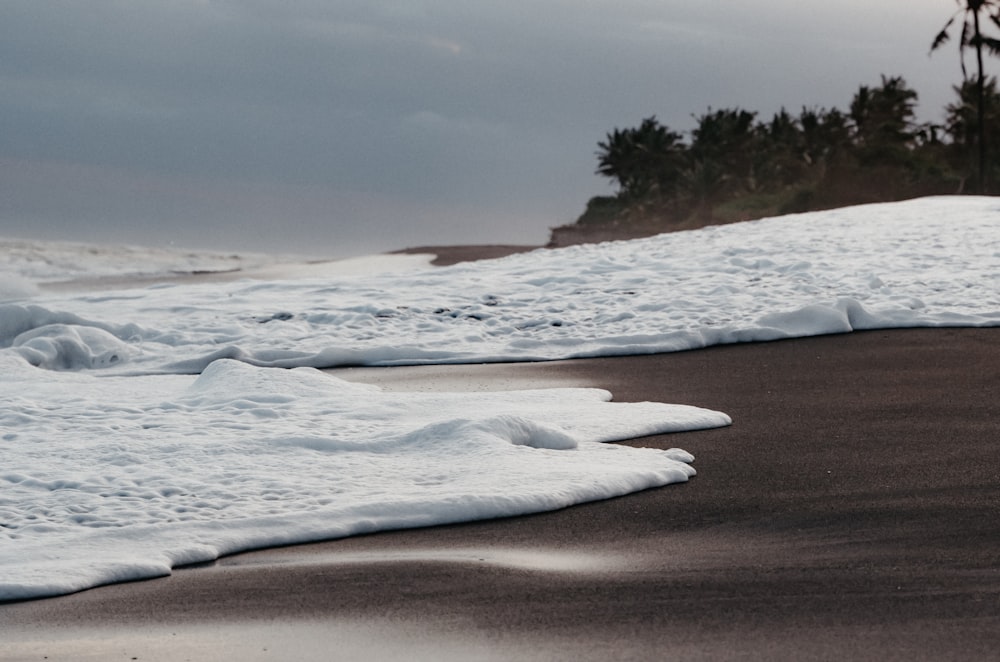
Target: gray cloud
(336,127)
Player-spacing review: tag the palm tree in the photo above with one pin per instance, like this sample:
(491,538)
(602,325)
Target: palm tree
(883,121)
(973,37)
(723,142)
(825,134)
(961,124)
(644,160)
(780,160)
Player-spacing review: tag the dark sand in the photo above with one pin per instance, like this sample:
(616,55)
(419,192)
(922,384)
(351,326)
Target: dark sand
(852,511)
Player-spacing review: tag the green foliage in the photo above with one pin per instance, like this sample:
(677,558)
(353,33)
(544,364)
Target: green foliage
(644,161)
(602,210)
(736,167)
(962,126)
(883,117)
(746,207)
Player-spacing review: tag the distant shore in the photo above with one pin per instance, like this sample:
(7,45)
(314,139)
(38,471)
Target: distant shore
(448,255)
(850,512)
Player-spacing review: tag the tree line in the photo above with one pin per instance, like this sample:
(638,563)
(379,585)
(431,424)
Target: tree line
(736,166)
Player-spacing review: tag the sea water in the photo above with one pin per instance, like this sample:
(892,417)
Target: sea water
(150,426)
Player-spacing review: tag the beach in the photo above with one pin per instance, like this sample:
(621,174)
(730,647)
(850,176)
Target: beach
(849,512)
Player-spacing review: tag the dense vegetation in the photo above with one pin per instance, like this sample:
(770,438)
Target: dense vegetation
(736,167)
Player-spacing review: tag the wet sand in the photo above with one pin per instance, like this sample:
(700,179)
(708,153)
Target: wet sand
(852,511)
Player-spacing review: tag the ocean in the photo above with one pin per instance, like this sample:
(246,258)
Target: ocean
(161,408)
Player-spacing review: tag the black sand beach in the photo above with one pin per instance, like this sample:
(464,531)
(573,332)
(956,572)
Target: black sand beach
(852,511)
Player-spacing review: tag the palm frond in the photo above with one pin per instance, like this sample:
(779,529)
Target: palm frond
(962,43)
(943,36)
(992,45)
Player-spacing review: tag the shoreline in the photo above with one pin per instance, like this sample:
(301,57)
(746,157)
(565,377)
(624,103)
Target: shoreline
(445,256)
(442,256)
(849,511)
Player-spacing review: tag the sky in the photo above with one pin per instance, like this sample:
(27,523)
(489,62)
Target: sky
(343,127)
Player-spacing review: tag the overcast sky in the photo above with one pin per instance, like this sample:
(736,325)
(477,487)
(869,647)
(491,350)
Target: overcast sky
(338,127)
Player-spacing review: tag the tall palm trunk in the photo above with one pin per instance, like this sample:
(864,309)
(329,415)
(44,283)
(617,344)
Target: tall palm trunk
(972,35)
(980,107)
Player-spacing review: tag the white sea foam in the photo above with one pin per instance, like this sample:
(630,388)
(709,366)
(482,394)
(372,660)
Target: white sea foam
(108,479)
(50,261)
(929,262)
(145,428)
(28,267)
